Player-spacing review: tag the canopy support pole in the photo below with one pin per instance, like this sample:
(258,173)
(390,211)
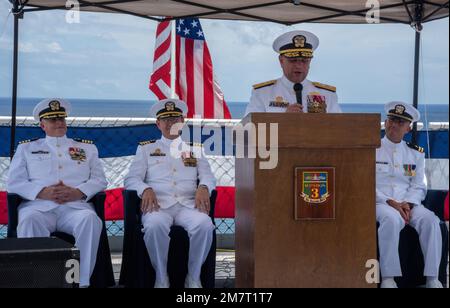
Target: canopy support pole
(18,14)
(417,24)
(416,82)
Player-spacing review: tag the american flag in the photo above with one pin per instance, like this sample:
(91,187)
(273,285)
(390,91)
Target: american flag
(195,81)
(160,79)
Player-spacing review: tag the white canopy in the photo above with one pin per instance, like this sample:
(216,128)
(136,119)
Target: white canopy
(284,12)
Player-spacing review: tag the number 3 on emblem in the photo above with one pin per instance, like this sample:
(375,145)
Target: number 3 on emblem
(315,193)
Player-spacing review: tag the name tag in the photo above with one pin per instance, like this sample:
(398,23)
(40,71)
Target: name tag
(279,102)
(40,152)
(40,156)
(158,152)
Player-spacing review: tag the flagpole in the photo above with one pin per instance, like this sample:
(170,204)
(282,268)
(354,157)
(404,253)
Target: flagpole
(172,59)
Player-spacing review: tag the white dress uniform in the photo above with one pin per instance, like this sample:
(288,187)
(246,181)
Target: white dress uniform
(44,162)
(400,176)
(277,95)
(174,179)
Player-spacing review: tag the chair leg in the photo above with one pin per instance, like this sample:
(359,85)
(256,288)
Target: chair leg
(103,275)
(208,275)
(444,259)
(178,257)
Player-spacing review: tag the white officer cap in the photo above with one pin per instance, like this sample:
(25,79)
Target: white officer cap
(296,44)
(51,108)
(402,110)
(168,108)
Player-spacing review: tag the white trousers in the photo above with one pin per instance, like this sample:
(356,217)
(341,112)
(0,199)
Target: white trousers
(426,224)
(156,228)
(84,225)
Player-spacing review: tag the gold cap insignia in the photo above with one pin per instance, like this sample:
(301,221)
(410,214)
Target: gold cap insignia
(399,109)
(170,106)
(299,41)
(54,105)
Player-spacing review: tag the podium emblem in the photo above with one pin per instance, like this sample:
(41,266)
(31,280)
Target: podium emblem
(315,187)
(314,193)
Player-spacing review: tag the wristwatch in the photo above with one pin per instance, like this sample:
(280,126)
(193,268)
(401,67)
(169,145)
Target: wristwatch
(84,197)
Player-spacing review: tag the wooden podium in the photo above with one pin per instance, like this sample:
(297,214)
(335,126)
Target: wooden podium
(275,247)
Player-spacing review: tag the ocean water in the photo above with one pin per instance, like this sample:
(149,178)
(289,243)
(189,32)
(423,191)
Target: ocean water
(140,108)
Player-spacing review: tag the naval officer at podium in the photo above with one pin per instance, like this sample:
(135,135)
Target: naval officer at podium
(293,92)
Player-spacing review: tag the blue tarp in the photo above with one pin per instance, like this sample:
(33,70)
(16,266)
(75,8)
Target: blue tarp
(122,141)
(113,141)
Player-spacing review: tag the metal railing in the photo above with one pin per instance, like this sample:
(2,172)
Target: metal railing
(116,168)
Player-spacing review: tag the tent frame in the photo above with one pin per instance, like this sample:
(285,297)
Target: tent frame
(416,19)
(334,12)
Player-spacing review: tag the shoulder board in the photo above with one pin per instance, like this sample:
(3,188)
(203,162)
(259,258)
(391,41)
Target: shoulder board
(83,140)
(324,86)
(147,142)
(195,144)
(264,84)
(415,147)
(28,140)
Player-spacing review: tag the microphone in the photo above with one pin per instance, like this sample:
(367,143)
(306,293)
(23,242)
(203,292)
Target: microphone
(298,87)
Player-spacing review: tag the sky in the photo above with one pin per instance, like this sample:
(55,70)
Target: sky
(109,56)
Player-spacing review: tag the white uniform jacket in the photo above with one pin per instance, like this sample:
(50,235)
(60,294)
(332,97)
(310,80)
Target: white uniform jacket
(277,95)
(400,173)
(173,178)
(44,162)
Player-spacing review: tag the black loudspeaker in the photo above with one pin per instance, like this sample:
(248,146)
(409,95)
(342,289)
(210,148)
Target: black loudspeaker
(38,263)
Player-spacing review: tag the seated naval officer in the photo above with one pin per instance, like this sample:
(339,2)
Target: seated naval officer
(293,92)
(167,185)
(57,176)
(401,186)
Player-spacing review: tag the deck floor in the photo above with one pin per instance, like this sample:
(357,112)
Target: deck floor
(225,268)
